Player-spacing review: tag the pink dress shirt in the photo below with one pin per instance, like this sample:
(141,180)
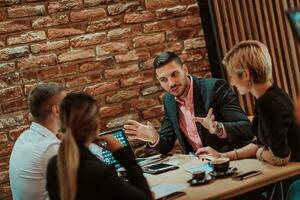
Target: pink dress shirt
(185,116)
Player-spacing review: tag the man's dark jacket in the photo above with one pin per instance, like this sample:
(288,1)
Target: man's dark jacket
(208,93)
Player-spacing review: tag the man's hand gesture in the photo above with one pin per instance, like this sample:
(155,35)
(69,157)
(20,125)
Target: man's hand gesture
(208,122)
(136,130)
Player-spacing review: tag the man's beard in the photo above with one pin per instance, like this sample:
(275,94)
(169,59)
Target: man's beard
(181,93)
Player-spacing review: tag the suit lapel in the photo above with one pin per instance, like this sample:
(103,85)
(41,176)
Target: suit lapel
(199,108)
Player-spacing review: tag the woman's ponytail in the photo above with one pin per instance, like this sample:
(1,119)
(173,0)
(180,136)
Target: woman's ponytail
(68,164)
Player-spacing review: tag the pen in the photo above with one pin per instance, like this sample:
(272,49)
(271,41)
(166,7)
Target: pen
(206,159)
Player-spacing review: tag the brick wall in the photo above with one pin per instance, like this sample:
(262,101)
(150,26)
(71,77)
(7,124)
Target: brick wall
(102,47)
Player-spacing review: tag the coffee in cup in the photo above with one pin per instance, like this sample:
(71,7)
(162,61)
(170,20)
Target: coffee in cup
(220,164)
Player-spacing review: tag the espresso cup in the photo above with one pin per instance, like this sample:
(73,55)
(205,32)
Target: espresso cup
(198,175)
(220,164)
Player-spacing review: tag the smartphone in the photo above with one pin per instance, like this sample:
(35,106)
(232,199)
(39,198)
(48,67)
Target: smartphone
(159,168)
(245,175)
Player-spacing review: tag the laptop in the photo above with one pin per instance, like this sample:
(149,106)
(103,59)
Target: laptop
(110,160)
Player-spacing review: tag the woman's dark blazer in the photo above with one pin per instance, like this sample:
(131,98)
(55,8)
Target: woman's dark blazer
(98,181)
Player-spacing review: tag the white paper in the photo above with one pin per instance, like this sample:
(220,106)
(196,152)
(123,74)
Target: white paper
(164,189)
(173,161)
(198,167)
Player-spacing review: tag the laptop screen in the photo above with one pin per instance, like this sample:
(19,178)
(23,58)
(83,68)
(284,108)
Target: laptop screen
(107,156)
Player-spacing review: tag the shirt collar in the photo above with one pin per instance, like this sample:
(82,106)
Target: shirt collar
(43,130)
(189,97)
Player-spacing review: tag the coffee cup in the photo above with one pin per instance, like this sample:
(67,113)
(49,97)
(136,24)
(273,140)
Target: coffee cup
(220,164)
(198,175)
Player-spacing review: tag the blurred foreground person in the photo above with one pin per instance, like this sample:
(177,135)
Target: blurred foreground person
(75,173)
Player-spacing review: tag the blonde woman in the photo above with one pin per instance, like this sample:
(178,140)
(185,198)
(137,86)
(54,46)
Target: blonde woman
(75,173)
(277,140)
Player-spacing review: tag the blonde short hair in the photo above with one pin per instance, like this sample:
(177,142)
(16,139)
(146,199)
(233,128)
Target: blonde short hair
(252,55)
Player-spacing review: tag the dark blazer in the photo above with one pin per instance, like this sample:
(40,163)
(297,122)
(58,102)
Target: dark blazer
(98,181)
(208,93)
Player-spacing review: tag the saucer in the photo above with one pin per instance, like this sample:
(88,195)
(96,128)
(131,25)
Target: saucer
(207,179)
(230,171)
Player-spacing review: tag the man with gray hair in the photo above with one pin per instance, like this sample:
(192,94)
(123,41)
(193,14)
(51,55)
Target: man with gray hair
(36,145)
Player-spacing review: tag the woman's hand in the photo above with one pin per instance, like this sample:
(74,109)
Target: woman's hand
(207,151)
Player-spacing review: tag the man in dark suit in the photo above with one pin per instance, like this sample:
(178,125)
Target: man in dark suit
(198,112)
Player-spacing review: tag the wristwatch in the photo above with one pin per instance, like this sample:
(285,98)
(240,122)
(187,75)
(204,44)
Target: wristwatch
(220,128)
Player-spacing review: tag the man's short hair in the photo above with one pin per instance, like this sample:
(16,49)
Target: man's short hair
(252,55)
(40,98)
(165,58)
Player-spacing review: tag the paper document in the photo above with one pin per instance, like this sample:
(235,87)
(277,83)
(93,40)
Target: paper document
(165,189)
(173,161)
(197,167)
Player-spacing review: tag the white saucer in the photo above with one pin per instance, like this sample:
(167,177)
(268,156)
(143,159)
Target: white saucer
(207,179)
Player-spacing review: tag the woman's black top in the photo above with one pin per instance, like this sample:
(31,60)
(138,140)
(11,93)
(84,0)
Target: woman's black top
(98,181)
(274,124)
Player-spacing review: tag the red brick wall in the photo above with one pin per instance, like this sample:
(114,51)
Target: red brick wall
(102,47)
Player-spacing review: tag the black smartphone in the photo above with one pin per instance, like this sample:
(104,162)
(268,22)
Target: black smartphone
(159,168)
(245,175)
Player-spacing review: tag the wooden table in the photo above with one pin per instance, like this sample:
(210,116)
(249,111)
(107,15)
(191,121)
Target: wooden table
(224,188)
